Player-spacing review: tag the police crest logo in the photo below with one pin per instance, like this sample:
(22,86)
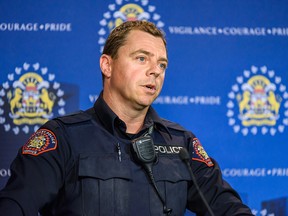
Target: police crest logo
(121,11)
(258,103)
(29,98)
(41,141)
(199,153)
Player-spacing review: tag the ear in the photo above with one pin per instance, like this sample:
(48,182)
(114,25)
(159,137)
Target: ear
(106,65)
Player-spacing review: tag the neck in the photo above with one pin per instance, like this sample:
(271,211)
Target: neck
(133,118)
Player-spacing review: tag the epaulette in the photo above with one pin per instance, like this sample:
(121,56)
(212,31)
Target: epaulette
(75,117)
(172,125)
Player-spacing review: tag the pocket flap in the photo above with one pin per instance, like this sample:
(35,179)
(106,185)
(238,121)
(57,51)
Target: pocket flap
(103,166)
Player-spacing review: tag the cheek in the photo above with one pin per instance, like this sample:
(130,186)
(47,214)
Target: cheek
(161,79)
(126,81)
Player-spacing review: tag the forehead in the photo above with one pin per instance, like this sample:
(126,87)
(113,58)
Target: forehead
(137,39)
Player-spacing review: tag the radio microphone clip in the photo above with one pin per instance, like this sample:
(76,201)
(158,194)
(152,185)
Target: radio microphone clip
(145,155)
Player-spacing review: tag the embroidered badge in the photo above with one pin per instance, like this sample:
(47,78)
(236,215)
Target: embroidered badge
(200,154)
(41,141)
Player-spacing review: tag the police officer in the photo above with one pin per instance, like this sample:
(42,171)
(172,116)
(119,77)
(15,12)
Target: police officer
(119,157)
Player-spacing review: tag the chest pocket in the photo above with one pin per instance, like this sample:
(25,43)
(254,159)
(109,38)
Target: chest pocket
(172,176)
(104,184)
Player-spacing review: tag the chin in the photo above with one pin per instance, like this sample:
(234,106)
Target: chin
(145,104)
(146,101)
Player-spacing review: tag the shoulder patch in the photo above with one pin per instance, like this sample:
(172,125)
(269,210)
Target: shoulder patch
(199,153)
(41,141)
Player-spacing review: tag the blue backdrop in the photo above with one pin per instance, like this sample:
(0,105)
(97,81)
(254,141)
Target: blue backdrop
(226,80)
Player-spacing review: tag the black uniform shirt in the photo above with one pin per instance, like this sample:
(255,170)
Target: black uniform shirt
(82,164)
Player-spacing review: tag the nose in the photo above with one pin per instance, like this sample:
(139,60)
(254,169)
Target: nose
(154,69)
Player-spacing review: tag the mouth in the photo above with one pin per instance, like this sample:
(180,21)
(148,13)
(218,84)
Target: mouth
(151,87)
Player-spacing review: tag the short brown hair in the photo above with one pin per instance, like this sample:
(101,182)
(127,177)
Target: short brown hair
(117,37)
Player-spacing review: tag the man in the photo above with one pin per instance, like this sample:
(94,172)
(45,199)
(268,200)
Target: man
(102,161)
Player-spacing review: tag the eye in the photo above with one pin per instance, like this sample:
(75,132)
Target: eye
(141,58)
(163,66)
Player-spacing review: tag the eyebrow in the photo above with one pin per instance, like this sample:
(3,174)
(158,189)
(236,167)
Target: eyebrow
(147,53)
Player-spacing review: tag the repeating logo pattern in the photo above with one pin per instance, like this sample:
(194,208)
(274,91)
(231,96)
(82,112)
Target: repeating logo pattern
(258,103)
(122,11)
(28,98)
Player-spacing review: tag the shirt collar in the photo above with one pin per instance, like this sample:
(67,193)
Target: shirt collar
(110,120)
(152,116)
(106,116)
